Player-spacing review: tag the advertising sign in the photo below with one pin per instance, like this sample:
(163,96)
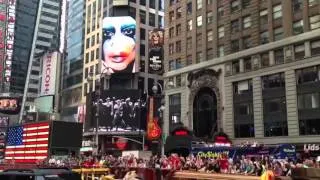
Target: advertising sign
(119,45)
(120,2)
(119,110)
(10,105)
(44,104)
(156,40)
(11,16)
(49,71)
(153,128)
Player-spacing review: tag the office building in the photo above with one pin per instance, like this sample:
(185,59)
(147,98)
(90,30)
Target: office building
(247,67)
(73,64)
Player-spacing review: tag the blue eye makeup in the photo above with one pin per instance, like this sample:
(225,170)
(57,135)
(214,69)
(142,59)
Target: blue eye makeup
(128,30)
(109,32)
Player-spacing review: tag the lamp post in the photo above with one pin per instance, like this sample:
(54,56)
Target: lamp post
(97,107)
(155,90)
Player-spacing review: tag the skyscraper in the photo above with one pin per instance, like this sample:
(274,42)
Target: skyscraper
(247,67)
(72,80)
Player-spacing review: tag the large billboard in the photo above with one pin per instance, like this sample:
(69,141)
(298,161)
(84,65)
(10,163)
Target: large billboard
(11,18)
(49,74)
(119,45)
(156,40)
(44,104)
(3,19)
(118,110)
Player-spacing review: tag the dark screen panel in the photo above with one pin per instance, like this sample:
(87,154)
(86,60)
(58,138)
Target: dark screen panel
(66,134)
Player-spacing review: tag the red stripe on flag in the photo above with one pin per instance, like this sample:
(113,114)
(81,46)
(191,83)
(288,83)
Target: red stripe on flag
(36,142)
(33,125)
(36,136)
(26,149)
(31,154)
(36,131)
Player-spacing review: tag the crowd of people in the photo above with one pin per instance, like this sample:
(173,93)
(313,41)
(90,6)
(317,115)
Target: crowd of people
(254,166)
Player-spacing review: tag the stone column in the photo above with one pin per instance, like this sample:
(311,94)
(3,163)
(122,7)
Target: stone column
(257,107)
(291,101)
(228,110)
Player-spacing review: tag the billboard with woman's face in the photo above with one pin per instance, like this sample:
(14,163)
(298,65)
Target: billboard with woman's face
(118,45)
(156,51)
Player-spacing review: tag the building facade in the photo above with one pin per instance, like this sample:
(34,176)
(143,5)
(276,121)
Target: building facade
(73,64)
(148,14)
(247,67)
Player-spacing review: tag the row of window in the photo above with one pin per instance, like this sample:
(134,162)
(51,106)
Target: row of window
(277,55)
(152,3)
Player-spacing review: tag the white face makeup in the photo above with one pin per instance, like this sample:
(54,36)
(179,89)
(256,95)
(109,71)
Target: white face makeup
(119,43)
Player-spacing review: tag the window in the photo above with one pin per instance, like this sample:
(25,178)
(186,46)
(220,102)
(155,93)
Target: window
(247,64)
(178,80)
(235,67)
(152,19)
(92,56)
(199,4)
(265,60)
(132,12)
(189,59)
(142,14)
(235,46)
(313,2)
(221,51)
(220,12)
(152,4)
(142,50)
(242,87)
(273,105)
(199,21)
(93,40)
(87,57)
(171,32)
(245,3)
(199,40)
(244,109)
(143,34)
(209,35)
(309,126)
(209,54)
(178,63)
(235,5)
(171,16)
(306,75)
(273,81)
(172,65)
(171,48)
(143,2)
(279,56)
(278,33)
(297,27)
(88,43)
(178,46)
(97,54)
(308,101)
(199,57)
(277,11)
(264,17)
(246,42)
(209,17)
(189,25)
(221,32)
(297,5)
(175,108)
(244,130)
(189,8)
(264,37)
(235,26)
(189,43)
(315,48)
(246,22)
(299,51)
(178,29)
(314,22)
(179,12)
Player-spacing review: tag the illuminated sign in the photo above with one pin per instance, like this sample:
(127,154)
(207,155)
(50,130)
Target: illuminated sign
(156,40)
(211,154)
(311,147)
(181,133)
(118,45)
(9,105)
(11,16)
(49,71)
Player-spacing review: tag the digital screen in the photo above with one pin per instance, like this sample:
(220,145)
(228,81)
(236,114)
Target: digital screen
(118,45)
(119,110)
(66,134)
(9,105)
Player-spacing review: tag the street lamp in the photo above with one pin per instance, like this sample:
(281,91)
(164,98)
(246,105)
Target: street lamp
(155,90)
(97,107)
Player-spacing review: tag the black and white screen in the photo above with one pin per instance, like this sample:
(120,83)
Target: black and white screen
(118,110)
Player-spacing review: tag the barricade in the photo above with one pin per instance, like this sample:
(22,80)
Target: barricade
(185,175)
(92,173)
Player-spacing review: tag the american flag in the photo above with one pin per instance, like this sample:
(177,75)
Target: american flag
(27,143)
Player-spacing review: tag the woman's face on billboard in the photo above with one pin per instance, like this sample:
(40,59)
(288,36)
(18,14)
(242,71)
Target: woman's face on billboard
(119,42)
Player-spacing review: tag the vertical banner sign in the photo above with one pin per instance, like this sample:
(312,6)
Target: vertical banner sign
(49,69)
(153,129)
(156,51)
(3,18)
(11,17)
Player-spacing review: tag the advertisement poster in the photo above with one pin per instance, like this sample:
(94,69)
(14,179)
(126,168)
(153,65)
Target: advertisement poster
(119,110)
(118,45)
(156,40)
(49,71)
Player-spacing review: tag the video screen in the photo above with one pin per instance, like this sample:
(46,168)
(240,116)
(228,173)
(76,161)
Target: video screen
(119,110)
(118,45)
(9,105)
(156,40)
